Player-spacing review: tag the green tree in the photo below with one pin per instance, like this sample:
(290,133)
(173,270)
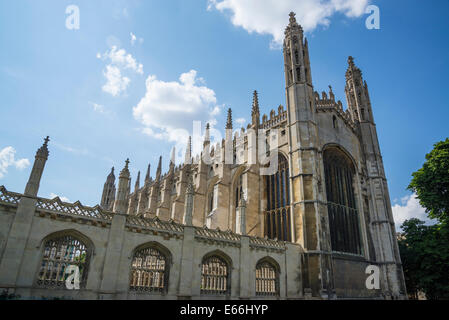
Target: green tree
(425,249)
(431,182)
(425,258)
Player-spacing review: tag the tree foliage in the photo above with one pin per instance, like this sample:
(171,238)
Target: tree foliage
(425,258)
(431,182)
(425,249)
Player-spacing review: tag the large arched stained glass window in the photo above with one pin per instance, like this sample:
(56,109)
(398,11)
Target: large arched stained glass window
(215,276)
(277,214)
(343,215)
(267,279)
(149,271)
(59,253)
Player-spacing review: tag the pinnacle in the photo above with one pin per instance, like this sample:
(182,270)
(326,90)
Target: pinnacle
(43,150)
(229,121)
(255,102)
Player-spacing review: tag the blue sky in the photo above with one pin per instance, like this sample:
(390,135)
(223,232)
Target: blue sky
(103,96)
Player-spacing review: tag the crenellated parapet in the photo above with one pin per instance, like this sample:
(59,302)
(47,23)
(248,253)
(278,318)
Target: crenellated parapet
(275,119)
(327,103)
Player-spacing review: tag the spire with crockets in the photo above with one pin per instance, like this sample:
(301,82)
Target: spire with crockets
(296,55)
(229,120)
(41,157)
(148,176)
(159,169)
(137,185)
(255,112)
(108,196)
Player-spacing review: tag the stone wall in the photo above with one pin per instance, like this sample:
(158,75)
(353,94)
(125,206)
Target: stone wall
(113,239)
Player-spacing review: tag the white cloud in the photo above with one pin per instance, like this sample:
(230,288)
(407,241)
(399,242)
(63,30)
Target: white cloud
(7,159)
(271,16)
(119,58)
(169,109)
(408,209)
(115,82)
(63,199)
(118,62)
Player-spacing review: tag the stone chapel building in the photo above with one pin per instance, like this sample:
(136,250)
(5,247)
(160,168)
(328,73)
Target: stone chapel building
(220,229)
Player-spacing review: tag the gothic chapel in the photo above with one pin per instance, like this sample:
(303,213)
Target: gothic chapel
(220,229)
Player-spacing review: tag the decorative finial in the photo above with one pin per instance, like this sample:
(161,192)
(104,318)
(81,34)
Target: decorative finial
(207,136)
(293,25)
(292,17)
(147,177)
(331,93)
(229,121)
(42,152)
(111,175)
(125,172)
(255,102)
(350,60)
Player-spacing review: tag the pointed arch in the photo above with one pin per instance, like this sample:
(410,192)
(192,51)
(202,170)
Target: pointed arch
(277,212)
(150,268)
(216,269)
(343,213)
(62,249)
(267,277)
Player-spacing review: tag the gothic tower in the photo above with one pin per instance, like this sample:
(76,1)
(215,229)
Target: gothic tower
(307,208)
(357,95)
(376,199)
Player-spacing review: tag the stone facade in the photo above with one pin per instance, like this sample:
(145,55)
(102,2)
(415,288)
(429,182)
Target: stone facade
(308,232)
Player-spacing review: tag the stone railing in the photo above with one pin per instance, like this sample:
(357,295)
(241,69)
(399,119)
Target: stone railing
(154,224)
(217,235)
(137,223)
(8,197)
(264,243)
(75,209)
